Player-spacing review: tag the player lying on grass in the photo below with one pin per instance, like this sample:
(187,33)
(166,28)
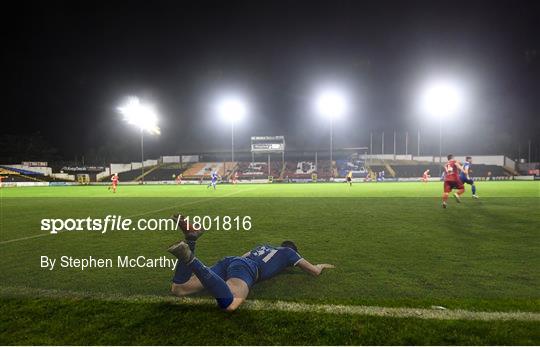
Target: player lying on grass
(230,279)
(451,179)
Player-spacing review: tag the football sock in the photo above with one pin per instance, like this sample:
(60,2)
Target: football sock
(191,244)
(473,187)
(182,272)
(213,283)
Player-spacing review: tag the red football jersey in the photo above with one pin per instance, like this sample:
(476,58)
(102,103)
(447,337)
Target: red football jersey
(452,172)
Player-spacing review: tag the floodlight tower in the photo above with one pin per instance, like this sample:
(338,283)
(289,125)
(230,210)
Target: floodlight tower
(143,116)
(441,99)
(232,110)
(331,104)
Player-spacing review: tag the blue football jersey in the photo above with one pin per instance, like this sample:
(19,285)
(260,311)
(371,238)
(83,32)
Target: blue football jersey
(272,260)
(466,167)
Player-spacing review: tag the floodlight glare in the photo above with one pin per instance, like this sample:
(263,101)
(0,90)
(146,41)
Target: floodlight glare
(232,109)
(442,99)
(331,104)
(143,116)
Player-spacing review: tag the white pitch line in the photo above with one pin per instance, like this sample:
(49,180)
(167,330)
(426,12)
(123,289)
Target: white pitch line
(285,306)
(23,238)
(188,203)
(140,214)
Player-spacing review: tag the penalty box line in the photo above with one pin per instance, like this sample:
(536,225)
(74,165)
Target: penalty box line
(286,306)
(137,215)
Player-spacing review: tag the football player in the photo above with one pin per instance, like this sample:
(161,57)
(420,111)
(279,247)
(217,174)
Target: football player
(214,180)
(426,176)
(349,178)
(230,279)
(114,183)
(465,176)
(451,179)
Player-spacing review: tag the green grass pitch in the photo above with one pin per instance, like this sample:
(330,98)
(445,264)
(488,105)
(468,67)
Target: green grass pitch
(392,244)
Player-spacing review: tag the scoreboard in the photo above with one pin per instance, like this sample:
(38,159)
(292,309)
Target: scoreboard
(268,144)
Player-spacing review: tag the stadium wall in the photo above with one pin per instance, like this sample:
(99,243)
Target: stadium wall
(190,158)
(103,174)
(424,158)
(118,168)
(63,176)
(498,160)
(170,159)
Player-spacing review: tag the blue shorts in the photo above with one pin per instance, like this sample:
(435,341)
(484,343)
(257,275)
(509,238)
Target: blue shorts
(465,180)
(236,267)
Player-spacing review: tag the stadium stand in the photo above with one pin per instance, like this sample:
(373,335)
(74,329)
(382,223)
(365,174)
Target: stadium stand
(301,169)
(324,170)
(258,170)
(16,178)
(408,171)
(412,169)
(295,169)
(481,170)
(248,170)
(204,169)
(127,176)
(358,167)
(17,175)
(162,174)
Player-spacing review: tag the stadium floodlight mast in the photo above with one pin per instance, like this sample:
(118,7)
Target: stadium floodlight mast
(143,116)
(331,104)
(232,110)
(442,99)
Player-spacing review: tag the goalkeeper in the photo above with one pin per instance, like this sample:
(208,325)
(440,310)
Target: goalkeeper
(230,279)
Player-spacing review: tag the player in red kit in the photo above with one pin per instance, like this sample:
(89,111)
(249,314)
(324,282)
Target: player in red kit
(235,178)
(451,179)
(114,184)
(179,178)
(425,176)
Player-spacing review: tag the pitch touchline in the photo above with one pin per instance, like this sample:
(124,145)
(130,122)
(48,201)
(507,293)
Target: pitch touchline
(187,203)
(137,215)
(265,305)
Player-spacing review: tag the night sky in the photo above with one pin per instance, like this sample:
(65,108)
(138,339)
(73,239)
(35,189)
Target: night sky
(69,65)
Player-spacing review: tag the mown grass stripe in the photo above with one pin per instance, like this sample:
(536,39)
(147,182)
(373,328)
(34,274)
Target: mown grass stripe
(265,305)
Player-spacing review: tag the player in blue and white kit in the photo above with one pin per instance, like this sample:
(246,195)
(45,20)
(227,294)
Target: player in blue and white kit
(465,177)
(230,279)
(213,183)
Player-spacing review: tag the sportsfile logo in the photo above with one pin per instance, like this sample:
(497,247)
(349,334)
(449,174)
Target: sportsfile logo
(119,223)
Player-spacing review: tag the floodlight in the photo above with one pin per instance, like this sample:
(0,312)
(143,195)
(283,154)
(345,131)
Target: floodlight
(232,109)
(442,99)
(143,116)
(331,104)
